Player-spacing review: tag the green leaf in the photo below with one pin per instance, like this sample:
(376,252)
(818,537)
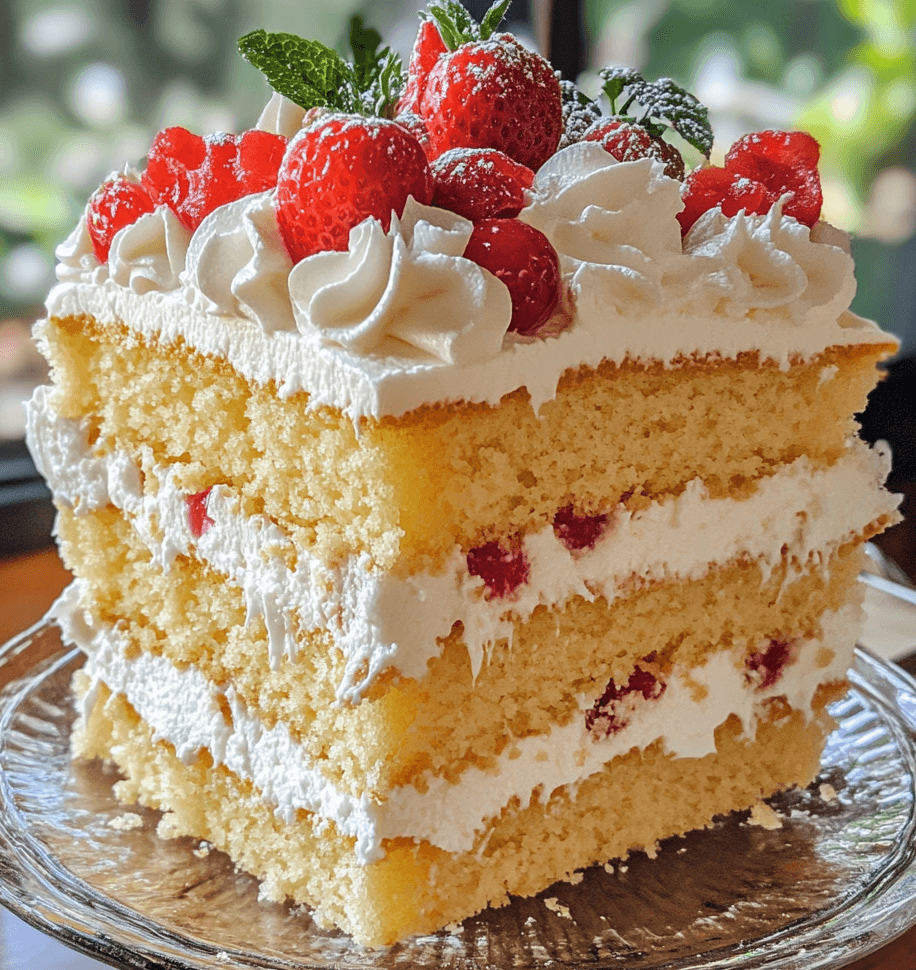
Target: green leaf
(454,22)
(364,43)
(305,71)
(493,18)
(616,79)
(667,100)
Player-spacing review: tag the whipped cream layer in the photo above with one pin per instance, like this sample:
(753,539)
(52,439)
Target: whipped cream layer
(185,709)
(378,621)
(402,319)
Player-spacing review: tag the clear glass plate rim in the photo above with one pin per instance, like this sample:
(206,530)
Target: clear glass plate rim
(121,936)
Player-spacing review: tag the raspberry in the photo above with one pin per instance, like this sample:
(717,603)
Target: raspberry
(614,709)
(198,519)
(114,204)
(628,142)
(502,570)
(341,171)
(480,183)
(764,668)
(194,175)
(706,188)
(578,531)
(785,162)
(523,258)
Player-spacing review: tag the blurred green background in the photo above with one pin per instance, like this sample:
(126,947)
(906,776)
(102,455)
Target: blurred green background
(87,83)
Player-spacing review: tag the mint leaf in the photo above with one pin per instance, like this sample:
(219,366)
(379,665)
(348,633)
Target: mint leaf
(379,73)
(616,79)
(305,71)
(493,18)
(457,27)
(364,43)
(668,101)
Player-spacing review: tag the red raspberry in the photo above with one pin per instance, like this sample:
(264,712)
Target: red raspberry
(705,188)
(759,169)
(502,570)
(627,142)
(427,49)
(342,171)
(480,183)
(198,518)
(523,258)
(494,94)
(194,175)
(578,531)
(764,668)
(785,162)
(115,204)
(608,715)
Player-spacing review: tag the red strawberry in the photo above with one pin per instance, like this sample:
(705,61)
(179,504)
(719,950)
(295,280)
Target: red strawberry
(706,188)
(427,49)
(627,142)
(194,175)
(341,171)
(198,517)
(494,94)
(608,715)
(578,531)
(480,183)
(416,126)
(115,204)
(502,569)
(523,258)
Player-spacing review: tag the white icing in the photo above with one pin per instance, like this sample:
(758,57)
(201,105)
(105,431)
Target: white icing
(182,707)
(378,620)
(281,116)
(150,254)
(238,265)
(407,293)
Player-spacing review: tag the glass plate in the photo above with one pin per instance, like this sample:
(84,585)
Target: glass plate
(835,882)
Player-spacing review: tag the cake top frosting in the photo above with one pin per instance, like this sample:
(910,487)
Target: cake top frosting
(470,228)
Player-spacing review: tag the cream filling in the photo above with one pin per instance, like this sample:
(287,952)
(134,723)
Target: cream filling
(183,708)
(378,621)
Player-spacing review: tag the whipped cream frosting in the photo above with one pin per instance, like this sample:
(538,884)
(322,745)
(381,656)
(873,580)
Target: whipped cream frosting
(402,318)
(185,709)
(378,620)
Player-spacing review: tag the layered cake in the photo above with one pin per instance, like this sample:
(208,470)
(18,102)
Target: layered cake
(457,498)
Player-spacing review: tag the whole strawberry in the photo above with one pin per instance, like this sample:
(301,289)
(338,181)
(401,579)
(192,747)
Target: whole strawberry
(627,142)
(427,49)
(480,183)
(489,91)
(342,170)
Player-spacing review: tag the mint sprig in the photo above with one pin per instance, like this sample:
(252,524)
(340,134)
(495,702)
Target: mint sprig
(664,104)
(312,75)
(457,27)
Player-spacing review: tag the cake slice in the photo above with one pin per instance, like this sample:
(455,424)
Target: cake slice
(413,580)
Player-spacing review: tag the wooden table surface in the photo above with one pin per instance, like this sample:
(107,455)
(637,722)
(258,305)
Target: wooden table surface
(30,583)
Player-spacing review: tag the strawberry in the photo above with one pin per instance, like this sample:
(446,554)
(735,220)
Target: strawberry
(116,203)
(480,183)
(341,171)
(613,710)
(502,567)
(416,126)
(194,175)
(626,142)
(523,258)
(759,170)
(198,517)
(578,531)
(427,49)
(494,94)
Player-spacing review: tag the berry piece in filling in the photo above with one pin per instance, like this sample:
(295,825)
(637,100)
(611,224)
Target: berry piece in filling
(198,518)
(194,175)
(613,711)
(480,183)
(341,171)
(765,667)
(523,258)
(502,568)
(114,204)
(578,531)
(627,142)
